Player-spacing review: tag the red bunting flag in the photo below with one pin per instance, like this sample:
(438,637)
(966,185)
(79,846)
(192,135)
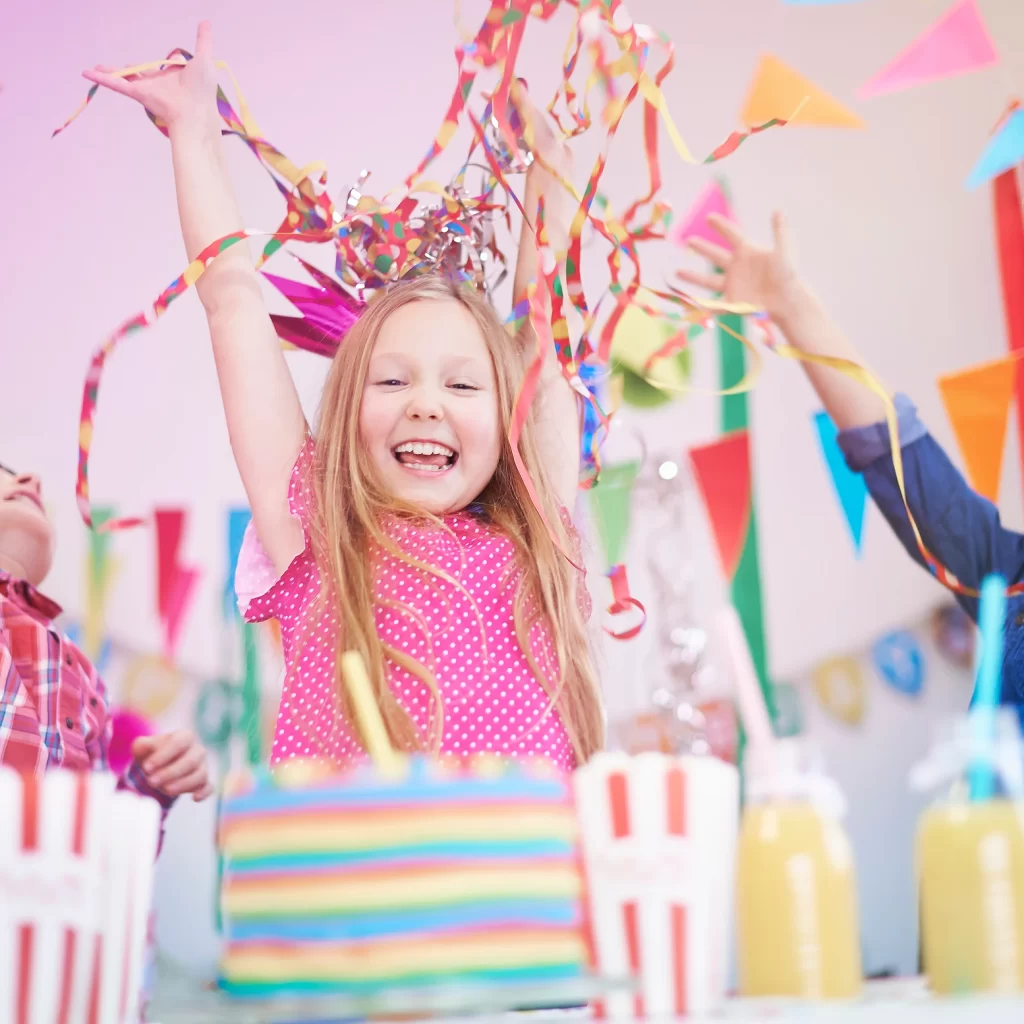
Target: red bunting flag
(722,472)
(175,584)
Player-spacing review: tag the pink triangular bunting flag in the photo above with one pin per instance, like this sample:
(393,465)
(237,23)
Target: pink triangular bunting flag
(957,43)
(695,222)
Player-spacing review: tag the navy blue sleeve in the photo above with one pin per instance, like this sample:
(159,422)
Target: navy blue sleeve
(958,526)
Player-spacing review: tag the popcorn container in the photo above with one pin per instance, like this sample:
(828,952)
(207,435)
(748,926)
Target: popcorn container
(659,846)
(76,880)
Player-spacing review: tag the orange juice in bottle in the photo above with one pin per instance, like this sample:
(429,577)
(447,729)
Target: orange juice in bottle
(796,892)
(970,859)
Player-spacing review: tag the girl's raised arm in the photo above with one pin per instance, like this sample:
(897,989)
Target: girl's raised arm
(265,420)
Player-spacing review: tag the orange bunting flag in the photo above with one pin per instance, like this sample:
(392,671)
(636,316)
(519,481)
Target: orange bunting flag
(977,402)
(777,91)
(722,472)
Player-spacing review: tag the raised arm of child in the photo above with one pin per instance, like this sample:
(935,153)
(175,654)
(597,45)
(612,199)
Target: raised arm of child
(265,420)
(959,527)
(557,407)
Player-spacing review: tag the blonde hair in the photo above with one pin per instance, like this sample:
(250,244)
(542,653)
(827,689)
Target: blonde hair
(350,503)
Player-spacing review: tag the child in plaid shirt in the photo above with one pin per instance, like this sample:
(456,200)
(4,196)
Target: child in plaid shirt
(53,704)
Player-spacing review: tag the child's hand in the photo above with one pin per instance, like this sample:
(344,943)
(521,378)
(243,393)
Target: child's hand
(545,144)
(177,95)
(764,277)
(174,764)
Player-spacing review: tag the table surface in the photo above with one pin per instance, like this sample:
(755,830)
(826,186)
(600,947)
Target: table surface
(904,1000)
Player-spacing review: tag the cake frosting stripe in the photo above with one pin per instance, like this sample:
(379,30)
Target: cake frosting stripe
(355,882)
(399,856)
(437,921)
(305,832)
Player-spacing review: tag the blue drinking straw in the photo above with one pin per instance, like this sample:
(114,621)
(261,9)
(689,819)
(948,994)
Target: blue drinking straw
(989,670)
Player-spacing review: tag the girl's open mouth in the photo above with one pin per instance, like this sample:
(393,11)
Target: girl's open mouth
(425,456)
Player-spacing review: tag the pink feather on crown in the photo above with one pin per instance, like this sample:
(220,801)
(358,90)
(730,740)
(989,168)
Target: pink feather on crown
(328,311)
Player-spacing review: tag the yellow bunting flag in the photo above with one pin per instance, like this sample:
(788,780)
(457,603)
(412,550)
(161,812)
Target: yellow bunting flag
(777,90)
(839,684)
(977,402)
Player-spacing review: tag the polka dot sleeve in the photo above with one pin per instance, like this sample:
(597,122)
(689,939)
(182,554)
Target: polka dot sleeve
(260,592)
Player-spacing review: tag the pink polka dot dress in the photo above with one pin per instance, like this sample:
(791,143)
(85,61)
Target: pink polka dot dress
(462,631)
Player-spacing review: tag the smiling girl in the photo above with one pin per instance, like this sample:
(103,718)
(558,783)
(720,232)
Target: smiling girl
(403,529)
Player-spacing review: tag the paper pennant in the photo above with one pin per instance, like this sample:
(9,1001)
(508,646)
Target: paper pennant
(238,520)
(850,488)
(839,684)
(777,90)
(176,584)
(788,719)
(1009,218)
(722,472)
(899,661)
(99,578)
(1005,150)
(611,500)
(956,44)
(637,337)
(694,224)
(977,402)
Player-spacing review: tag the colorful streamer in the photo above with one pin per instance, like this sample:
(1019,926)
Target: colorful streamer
(377,244)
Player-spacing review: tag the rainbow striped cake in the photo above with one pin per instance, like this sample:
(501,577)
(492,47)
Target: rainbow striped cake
(355,883)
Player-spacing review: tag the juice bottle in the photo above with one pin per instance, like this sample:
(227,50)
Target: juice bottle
(970,859)
(796,892)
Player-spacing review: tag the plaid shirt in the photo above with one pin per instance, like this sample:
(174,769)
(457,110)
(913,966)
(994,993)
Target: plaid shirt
(53,704)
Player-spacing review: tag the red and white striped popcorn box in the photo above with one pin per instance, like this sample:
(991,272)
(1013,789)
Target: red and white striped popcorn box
(76,871)
(659,848)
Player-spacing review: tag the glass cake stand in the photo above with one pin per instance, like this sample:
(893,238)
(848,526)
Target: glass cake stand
(179,999)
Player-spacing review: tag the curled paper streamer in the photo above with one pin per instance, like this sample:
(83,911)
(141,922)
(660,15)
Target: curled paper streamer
(380,243)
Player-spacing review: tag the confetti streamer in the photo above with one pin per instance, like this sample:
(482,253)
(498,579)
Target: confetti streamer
(377,244)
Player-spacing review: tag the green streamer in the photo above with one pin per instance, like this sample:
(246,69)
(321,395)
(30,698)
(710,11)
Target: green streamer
(745,589)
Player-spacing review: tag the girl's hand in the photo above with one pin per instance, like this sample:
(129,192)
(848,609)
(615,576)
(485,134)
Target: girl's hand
(177,95)
(546,146)
(763,277)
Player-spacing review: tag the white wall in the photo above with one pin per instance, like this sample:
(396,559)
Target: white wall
(886,232)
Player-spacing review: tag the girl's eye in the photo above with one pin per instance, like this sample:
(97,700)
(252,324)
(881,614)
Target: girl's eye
(464,387)
(390,383)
